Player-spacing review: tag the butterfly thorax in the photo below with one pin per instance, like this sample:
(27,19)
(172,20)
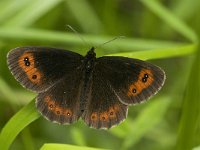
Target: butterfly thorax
(88,63)
(89,60)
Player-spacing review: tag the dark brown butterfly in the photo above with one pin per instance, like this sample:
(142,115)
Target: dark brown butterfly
(71,86)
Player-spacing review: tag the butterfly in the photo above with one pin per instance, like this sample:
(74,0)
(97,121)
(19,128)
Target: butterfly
(71,86)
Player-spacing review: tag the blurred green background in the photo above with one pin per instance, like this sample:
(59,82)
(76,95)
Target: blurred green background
(164,32)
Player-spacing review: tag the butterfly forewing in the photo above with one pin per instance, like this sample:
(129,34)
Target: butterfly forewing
(38,68)
(132,80)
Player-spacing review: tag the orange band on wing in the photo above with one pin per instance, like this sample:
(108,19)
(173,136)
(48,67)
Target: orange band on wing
(56,109)
(106,115)
(27,64)
(145,79)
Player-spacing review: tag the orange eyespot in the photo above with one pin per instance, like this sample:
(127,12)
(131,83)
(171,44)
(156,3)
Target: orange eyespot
(94,116)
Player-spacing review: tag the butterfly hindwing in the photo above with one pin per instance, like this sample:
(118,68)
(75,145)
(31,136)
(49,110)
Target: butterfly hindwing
(103,109)
(38,68)
(132,80)
(61,102)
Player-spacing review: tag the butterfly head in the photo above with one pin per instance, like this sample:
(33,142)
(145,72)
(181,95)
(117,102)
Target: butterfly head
(91,53)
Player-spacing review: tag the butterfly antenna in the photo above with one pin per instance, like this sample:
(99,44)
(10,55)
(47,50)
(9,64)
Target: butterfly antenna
(70,27)
(118,37)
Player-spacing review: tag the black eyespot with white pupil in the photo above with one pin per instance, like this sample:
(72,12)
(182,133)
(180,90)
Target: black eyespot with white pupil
(144,79)
(134,90)
(26,61)
(146,75)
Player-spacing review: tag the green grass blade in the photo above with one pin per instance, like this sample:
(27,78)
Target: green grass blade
(196,148)
(169,18)
(160,53)
(94,25)
(190,119)
(17,123)
(30,14)
(28,142)
(10,8)
(127,44)
(185,9)
(66,147)
(78,136)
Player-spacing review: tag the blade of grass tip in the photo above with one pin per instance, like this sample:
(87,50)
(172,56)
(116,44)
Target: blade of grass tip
(160,53)
(190,118)
(51,146)
(149,118)
(17,123)
(85,11)
(169,18)
(30,14)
